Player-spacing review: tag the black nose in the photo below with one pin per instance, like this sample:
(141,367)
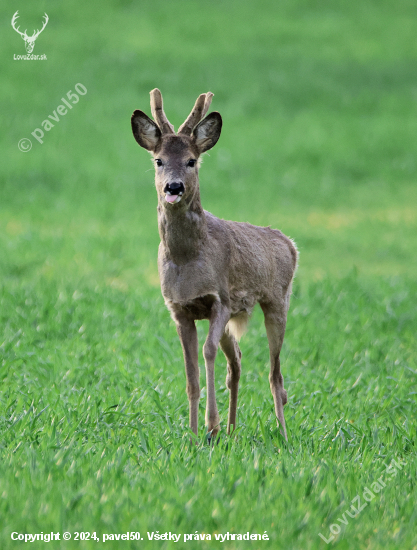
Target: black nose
(174,188)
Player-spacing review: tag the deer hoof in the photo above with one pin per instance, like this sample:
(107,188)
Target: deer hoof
(213,438)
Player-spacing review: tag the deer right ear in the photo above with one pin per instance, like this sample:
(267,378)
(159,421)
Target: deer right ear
(145,131)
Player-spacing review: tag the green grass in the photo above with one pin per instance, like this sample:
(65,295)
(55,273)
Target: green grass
(319,139)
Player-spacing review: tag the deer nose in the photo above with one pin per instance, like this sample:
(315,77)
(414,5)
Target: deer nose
(174,188)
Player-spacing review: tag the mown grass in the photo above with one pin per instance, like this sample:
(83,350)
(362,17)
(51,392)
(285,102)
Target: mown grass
(319,139)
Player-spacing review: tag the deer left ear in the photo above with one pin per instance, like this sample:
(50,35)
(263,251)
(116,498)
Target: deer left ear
(207,132)
(146,132)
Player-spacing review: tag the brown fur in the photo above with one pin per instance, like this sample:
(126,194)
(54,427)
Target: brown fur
(212,268)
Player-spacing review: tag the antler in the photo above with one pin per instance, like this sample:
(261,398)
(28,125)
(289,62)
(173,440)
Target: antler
(198,113)
(158,114)
(15,18)
(36,34)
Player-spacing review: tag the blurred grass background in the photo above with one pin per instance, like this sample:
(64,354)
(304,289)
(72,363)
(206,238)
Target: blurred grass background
(319,103)
(319,139)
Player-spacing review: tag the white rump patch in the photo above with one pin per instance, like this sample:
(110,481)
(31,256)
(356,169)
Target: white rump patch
(237,325)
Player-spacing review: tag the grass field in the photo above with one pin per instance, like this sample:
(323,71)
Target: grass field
(319,103)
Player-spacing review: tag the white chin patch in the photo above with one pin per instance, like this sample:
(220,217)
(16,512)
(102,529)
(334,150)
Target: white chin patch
(173,199)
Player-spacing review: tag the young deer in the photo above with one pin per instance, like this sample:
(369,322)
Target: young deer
(212,268)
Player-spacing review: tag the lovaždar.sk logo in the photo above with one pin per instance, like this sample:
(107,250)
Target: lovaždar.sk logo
(29,40)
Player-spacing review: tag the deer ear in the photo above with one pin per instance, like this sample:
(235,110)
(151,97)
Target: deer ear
(207,132)
(145,131)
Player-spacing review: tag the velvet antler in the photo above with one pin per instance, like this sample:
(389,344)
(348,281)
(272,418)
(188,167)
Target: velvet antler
(198,113)
(158,114)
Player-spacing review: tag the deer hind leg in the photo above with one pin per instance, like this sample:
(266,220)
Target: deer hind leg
(187,333)
(232,352)
(219,317)
(275,321)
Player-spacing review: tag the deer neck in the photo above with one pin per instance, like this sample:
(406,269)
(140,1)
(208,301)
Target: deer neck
(182,229)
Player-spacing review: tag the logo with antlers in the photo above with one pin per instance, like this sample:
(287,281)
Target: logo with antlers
(29,40)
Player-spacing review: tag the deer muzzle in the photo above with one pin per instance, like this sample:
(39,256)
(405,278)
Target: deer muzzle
(174,191)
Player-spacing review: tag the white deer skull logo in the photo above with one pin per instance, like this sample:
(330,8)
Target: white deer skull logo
(29,40)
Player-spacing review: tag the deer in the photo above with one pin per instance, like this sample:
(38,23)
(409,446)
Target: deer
(29,40)
(211,268)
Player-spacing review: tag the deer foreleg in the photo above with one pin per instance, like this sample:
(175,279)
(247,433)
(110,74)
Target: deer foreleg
(188,336)
(232,352)
(220,315)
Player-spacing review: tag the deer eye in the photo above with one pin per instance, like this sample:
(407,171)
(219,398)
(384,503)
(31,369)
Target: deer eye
(191,163)
(158,162)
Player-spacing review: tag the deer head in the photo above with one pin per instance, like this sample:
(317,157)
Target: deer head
(176,156)
(29,40)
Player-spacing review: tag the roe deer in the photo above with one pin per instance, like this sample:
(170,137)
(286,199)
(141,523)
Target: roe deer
(212,268)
